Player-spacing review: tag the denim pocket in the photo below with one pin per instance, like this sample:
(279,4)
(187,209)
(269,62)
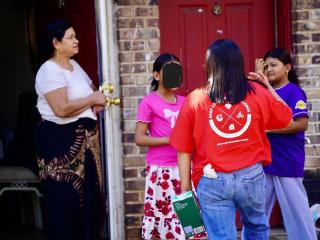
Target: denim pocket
(254,186)
(211,189)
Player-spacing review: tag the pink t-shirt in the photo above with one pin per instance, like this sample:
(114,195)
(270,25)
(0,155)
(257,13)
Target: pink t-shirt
(161,117)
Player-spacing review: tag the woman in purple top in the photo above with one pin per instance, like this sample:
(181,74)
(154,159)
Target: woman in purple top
(156,117)
(285,174)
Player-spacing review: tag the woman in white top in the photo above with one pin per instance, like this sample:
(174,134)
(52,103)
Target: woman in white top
(67,139)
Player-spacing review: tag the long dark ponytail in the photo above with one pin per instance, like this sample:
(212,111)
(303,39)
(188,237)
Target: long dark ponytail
(284,57)
(158,64)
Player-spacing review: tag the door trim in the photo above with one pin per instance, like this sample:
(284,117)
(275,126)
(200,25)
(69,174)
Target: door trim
(112,133)
(284,24)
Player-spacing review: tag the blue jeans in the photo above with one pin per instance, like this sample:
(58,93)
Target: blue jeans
(219,198)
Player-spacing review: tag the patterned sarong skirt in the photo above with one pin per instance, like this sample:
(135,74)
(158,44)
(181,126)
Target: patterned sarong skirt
(70,171)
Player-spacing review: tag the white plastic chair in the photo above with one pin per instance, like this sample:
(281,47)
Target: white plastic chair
(13,178)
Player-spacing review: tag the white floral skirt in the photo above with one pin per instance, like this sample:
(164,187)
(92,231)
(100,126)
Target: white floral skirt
(160,220)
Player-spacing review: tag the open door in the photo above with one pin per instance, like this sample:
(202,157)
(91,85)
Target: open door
(89,21)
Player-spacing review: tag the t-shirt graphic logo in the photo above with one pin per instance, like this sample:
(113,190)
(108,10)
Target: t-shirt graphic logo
(219,117)
(172,115)
(230,121)
(227,105)
(301,105)
(240,115)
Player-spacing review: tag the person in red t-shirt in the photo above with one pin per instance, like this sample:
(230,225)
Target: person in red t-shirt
(222,126)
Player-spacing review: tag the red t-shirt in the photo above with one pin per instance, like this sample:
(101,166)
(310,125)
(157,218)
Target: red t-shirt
(229,137)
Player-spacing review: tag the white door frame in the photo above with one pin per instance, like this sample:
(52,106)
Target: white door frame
(106,36)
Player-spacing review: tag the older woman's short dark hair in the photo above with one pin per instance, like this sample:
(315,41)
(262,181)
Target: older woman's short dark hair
(55,29)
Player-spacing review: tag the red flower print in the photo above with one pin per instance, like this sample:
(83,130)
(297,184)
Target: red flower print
(169,235)
(165,176)
(165,211)
(148,168)
(178,230)
(175,183)
(147,206)
(159,204)
(153,177)
(177,190)
(165,185)
(167,224)
(150,191)
(149,213)
(155,234)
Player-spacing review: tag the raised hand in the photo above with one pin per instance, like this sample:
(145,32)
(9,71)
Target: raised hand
(98,98)
(259,76)
(259,65)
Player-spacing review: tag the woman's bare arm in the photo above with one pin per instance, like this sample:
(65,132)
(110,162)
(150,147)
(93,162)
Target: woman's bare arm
(184,163)
(62,107)
(298,125)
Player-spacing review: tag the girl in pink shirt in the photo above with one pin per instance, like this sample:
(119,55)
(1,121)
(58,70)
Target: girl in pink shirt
(156,117)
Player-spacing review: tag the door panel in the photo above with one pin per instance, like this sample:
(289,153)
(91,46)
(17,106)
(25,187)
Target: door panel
(251,25)
(192,20)
(188,27)
(238,27)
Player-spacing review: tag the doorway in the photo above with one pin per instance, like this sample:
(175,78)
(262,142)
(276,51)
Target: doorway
(188,27)
(21,22)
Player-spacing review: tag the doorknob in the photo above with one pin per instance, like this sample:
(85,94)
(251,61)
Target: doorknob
(106,88)
(113,101)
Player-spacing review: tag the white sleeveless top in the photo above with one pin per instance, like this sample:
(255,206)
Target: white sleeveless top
(51,77)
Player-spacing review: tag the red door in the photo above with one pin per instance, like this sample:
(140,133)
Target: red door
(82,17)
(188,27)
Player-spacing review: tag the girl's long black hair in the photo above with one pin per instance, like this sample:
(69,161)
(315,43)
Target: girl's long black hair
(227,81)
(284,57)
(158,64)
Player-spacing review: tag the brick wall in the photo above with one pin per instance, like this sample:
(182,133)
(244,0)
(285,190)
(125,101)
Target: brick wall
(138,35)
(306,49)
(139,43)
